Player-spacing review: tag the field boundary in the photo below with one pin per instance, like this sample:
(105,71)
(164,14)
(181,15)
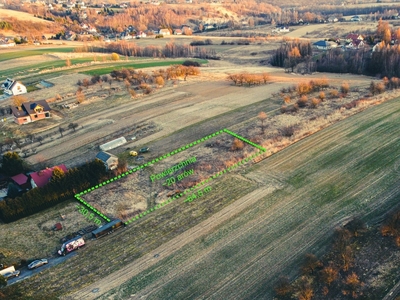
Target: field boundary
(179,195)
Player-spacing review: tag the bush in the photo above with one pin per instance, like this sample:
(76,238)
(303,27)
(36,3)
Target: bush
(321,96)
(333,93)
(114,56)
(315,102)
(288,131)
(344,88)
(188,63)
(302,102)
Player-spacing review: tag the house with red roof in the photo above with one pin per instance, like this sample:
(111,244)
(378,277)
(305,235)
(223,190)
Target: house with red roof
(43,177)
(22,181)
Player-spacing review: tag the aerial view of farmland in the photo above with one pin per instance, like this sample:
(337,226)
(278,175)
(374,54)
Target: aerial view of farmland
(199,150)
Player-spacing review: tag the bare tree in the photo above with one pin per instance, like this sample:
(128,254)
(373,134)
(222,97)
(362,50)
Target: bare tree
(73,126)
(262,116)
(61,130)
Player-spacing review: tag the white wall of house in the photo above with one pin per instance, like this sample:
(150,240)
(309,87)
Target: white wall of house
(18,89)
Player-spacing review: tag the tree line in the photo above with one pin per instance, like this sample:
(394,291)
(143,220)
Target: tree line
(378,63)
(62,187)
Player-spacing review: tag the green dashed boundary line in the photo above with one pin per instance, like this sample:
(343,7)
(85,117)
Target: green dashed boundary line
(102,184)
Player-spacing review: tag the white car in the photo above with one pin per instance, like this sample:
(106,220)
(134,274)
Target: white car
(37,263)
(11,274)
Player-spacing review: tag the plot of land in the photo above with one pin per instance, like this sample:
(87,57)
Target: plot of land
(145,188)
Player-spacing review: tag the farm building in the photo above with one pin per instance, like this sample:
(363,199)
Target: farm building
(113,144)
(108,159)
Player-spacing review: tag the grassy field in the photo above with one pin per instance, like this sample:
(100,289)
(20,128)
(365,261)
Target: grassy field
(18,54)
(108,69)
(344,170)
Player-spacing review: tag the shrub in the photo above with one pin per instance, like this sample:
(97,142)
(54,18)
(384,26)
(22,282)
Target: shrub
(333,93)
(288,131)
(321,96)
(344,88)
(302,102)
(237,145)
(114,56)
(283,109)
(315,102)
(303,88)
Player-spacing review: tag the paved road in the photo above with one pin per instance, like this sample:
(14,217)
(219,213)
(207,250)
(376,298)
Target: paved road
(393,293)
(26,273)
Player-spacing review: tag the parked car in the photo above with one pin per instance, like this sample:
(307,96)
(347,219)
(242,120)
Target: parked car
(140,157)
(37,263)
(10,275)
(133,153)
(144,150)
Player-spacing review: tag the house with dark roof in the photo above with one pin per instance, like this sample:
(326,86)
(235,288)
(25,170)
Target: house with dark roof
(31,112)
(43,177)
(13,87)
(324,45)
(22,181)
(108,159)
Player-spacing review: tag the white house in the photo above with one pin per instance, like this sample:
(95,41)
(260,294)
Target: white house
(13,87)
(164,31)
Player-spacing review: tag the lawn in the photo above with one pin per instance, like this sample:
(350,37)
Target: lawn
(25,53)
(246,254)
(108,69)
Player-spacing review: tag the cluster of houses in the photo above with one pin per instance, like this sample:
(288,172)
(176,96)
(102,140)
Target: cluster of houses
(6,42)
(353,41)
(28,181)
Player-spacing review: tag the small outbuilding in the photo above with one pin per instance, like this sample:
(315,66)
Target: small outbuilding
(108,159)
(113,144)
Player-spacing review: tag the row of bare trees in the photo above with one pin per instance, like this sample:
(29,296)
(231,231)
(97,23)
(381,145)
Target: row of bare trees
(249,79)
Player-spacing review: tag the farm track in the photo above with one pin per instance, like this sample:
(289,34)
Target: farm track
(115,279)
(297,219)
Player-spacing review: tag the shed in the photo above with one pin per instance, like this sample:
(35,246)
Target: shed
(113,144)
(109,160)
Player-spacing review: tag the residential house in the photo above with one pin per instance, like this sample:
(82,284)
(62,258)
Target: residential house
(7,43)
(164,31)
(22,181)
(356,19)
(31,111)
(141,34)
(281,29)
(324,45)
(332,19)
(354,36)
(43,177)
(108,159)
(177,31)
(13,87)
(186,30)
(355,44)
